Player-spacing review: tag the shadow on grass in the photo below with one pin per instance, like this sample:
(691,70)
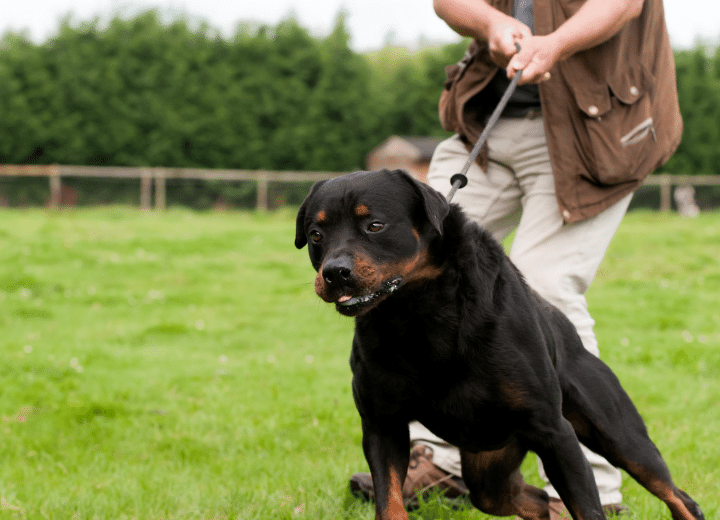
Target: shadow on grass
(433,507)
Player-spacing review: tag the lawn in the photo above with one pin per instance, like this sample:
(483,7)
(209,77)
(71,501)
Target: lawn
(180,366)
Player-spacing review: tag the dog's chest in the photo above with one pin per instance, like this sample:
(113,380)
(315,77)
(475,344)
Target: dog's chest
(448,400)
(416,372)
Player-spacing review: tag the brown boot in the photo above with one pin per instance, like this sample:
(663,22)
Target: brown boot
(559,512)
(422,478)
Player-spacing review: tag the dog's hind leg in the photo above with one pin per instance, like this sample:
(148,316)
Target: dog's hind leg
(497,487)
(607,422)
(555,442)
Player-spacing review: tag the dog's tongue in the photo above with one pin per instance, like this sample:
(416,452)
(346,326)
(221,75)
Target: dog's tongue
(344,299)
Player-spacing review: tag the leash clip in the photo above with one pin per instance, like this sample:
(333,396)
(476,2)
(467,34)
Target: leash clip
(461,179)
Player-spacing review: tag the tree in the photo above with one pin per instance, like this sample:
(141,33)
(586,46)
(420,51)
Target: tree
(145,91)
(699,94)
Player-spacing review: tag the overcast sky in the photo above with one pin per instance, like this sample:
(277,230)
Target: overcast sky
(370,22)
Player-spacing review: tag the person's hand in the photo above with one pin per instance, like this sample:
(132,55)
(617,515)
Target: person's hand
(536,57)
(504,33)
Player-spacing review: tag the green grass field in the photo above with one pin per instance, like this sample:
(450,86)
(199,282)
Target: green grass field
(180,366)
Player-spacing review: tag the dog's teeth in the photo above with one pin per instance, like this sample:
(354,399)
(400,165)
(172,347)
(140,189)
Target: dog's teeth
(391,287)
(356,300)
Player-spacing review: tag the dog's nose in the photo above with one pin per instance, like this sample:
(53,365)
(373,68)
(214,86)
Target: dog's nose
(337,271)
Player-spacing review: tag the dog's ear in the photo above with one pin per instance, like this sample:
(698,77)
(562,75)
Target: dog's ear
(436,207)
(300,238)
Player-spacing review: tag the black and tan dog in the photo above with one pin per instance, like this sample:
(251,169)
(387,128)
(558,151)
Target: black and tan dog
(448,333)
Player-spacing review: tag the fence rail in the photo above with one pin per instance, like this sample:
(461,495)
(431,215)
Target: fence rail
(666,181)
(157,177)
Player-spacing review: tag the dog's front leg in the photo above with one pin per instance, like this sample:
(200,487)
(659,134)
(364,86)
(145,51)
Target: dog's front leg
(387,450)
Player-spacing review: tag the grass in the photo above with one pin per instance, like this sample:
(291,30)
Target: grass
(180,366)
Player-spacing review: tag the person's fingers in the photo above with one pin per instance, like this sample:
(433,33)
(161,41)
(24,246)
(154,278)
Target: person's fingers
(502,41)
(533,60)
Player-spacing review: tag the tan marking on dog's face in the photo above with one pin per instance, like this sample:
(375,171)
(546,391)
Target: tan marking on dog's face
(320,286)
(365,273)
(321,217)
(361,210)
(414,269)
(419,268)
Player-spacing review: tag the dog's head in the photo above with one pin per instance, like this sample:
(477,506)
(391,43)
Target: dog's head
(368,235)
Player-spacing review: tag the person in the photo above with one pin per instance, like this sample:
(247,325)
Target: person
(595,112)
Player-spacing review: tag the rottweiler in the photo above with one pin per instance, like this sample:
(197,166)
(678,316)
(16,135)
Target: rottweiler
(447,332)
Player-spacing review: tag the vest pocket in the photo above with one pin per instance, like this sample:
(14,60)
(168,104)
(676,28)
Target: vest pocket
(618,119)
(640,132)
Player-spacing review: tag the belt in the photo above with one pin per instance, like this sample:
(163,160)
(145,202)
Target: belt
(523,112)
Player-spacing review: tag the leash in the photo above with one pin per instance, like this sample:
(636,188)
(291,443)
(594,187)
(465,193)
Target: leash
(459,180)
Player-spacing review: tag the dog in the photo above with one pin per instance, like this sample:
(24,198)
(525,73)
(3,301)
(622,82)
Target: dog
(447,332)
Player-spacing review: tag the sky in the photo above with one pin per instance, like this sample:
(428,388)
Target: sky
(371,23)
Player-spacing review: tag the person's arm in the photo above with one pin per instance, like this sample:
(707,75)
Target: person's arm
(477,19)
(594,23)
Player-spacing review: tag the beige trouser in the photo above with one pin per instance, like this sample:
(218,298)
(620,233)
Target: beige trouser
(558,260)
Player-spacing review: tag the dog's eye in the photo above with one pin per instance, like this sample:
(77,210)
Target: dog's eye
(316,236)
(375,227)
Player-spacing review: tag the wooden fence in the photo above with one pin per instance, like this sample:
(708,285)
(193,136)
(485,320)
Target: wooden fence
(157,177)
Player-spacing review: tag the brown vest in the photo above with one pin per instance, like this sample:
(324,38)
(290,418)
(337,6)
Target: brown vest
(611,112)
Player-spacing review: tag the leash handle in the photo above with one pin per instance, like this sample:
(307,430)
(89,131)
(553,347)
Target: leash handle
(459,180)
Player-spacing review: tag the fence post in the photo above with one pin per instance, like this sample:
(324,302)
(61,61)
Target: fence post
(55,187)
(665,192)
(262,191)
(159,174)
(145,189)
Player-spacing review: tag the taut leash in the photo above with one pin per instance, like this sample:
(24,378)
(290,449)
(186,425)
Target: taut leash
(459,180)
